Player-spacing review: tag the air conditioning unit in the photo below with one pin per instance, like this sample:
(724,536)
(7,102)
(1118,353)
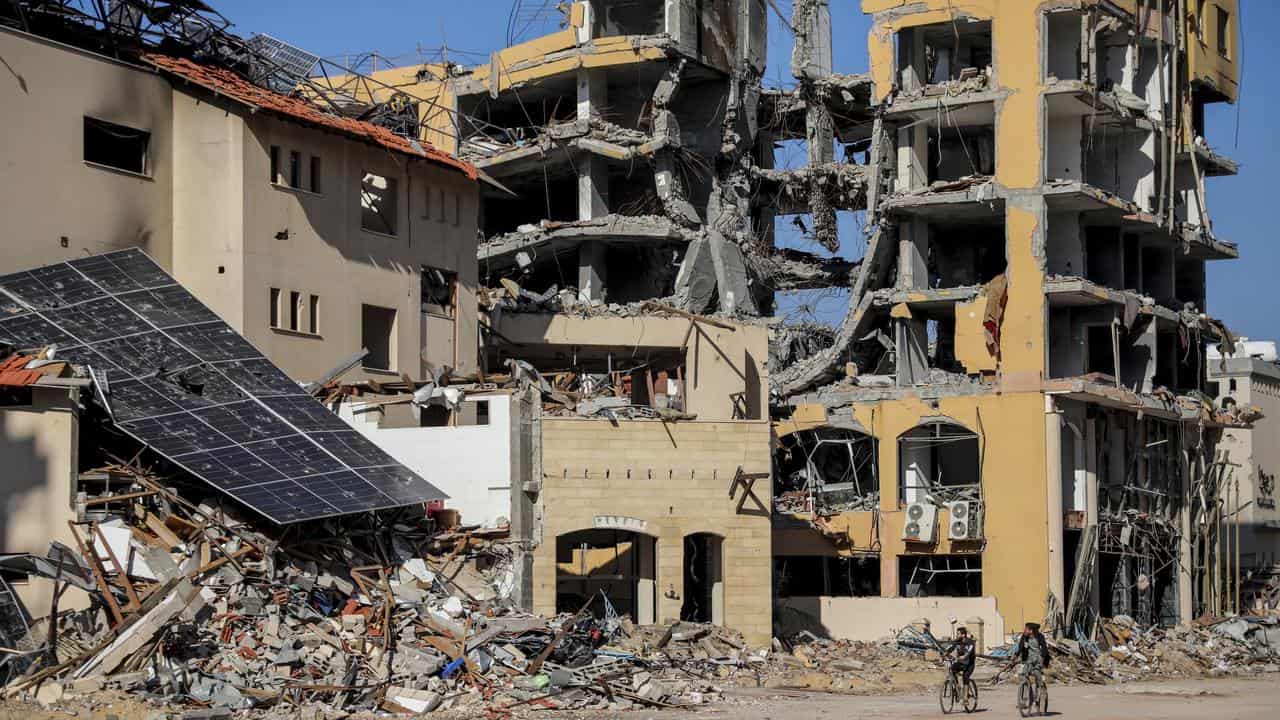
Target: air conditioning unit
(922,518)
(966,521)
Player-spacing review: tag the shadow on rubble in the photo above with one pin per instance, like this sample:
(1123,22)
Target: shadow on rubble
(799,617)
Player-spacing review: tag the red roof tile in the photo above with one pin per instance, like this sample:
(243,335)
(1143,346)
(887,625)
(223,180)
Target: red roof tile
(229,84)
(14,372)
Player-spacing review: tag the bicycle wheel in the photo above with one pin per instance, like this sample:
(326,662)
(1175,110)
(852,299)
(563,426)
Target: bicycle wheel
(1042,698)
(971,700)
(1024,699)
(947,695)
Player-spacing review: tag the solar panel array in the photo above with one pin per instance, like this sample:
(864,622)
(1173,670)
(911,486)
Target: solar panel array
(183,382)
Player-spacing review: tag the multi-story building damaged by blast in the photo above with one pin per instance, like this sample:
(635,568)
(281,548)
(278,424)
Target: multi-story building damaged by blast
(571,254)
(1022,434)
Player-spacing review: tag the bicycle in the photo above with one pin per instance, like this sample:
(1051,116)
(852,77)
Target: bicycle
(1033,698)
(951,693)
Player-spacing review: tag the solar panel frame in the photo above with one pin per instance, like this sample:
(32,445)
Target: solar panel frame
(184,383)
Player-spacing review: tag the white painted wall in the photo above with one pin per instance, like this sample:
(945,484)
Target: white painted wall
(471,464)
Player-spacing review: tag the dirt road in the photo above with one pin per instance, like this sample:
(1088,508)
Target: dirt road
(1227,699)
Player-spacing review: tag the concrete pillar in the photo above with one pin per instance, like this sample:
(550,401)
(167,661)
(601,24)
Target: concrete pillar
(1053,479)
(1091,499)
(911,338)
(592,272)
(911,60)
(593,172)
(1186,610)
(913,159)
(913,252)
(682,23)
(911,335)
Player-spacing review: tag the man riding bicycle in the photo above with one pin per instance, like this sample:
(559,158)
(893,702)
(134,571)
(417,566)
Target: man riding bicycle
(965,658)
(959,686)
(1033,652)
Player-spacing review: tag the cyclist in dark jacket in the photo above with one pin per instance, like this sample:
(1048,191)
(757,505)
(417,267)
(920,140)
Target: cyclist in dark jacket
(965,655)
(1033,652)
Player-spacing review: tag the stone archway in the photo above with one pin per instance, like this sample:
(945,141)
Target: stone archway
(618,564)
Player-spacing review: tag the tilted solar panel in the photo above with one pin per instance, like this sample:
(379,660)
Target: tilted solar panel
(186,384)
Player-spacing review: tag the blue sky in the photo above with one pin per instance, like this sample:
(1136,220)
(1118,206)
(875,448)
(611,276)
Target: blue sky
(405,30)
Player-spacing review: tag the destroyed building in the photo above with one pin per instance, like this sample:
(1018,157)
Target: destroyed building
(1250,537)
(623,154)
(309,228)
(560,268)
(1020,432)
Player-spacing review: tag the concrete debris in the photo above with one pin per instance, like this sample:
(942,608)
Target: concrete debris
(357,615)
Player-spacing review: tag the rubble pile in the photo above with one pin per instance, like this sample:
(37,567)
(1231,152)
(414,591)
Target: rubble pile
(1127,652)
(1210,647)
(193,607)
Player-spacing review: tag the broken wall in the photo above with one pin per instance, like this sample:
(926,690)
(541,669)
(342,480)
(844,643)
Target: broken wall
(725,371)
(39,449)
(1015,564)
(479,479)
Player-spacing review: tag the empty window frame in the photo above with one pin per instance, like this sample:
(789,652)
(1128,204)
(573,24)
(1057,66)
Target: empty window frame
(827,576)
(275,307)
(427,193)
(457,209)
(438,288)
(313,315)
(377,334)
(295,169)
(440,204)
(938,461)
(940,575)
(295,309)
(378,203)
(116,146)
(275,164)
(827,470)
(1224,33)
(316,182)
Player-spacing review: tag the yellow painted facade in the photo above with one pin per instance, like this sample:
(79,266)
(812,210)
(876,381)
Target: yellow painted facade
(1020,436)
(1015,564)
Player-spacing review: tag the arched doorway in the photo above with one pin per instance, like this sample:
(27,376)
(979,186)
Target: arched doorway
(703,579)
(618,564)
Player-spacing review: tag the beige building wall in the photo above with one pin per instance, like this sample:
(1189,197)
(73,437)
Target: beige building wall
(672,479)
(719,363)
(1255,456)
(206,209)
(328,254)
(39,450)
(50,192)
(868,619)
